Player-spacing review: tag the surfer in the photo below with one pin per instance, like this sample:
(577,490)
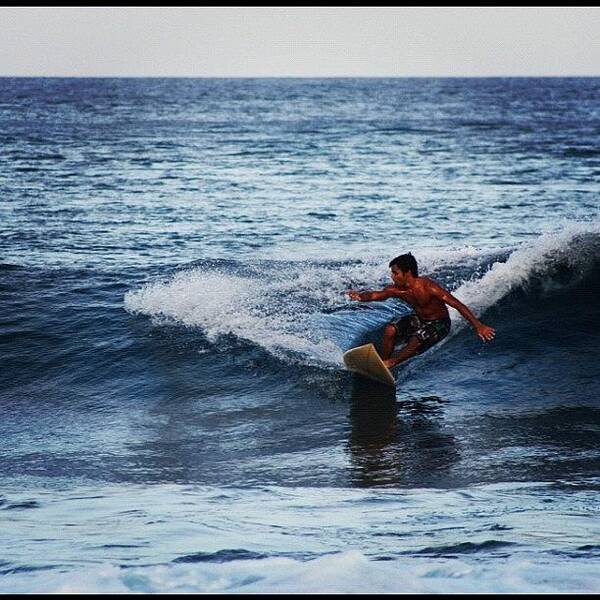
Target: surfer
(431,321)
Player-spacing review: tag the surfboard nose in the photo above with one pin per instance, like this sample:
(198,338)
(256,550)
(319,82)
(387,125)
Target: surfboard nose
(366,361)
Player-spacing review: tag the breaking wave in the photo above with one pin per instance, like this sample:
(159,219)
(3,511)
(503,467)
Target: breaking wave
(299,310)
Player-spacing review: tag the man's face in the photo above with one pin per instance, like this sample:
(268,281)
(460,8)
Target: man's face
(398,277)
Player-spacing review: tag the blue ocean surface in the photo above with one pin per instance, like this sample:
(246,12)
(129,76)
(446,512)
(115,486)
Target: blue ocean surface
(175,415)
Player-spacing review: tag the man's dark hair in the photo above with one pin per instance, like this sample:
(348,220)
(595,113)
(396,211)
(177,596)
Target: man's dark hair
(406,262)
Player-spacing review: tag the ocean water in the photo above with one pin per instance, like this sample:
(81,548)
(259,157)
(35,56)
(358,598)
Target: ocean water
(174,412)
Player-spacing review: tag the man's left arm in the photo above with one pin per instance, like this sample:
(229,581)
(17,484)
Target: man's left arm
(483,331)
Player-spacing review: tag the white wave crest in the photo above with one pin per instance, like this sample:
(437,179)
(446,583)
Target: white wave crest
(502,277)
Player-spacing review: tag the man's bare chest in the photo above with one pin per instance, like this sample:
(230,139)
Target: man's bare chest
(419,298)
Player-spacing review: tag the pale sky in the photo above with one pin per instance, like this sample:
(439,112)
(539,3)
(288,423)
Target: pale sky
(290,41)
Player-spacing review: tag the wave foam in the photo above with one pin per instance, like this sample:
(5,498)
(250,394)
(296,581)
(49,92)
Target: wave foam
(346,572)
(525,262)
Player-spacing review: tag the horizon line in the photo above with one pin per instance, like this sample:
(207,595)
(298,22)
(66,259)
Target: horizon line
(529,76)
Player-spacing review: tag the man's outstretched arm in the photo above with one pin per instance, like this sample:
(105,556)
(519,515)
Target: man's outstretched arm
(370,295)
(483,331)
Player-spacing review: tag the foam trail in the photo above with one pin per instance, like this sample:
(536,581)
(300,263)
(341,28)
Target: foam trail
(227,304)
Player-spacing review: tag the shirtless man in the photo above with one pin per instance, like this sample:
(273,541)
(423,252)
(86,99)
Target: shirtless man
(431,321)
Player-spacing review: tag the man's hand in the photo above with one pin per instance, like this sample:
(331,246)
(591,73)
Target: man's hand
(371,295)
(485,333)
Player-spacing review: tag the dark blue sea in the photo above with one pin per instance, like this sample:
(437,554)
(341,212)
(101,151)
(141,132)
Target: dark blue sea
(174,411)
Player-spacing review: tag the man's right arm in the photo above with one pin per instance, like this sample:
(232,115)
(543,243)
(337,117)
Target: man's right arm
(370,295)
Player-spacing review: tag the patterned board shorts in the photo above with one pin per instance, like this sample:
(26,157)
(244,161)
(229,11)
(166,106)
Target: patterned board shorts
(428,332)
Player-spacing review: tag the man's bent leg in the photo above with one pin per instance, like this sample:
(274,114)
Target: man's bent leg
(387,345)
(407,352)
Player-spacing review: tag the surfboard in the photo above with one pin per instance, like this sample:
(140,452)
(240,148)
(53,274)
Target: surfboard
(366,361)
